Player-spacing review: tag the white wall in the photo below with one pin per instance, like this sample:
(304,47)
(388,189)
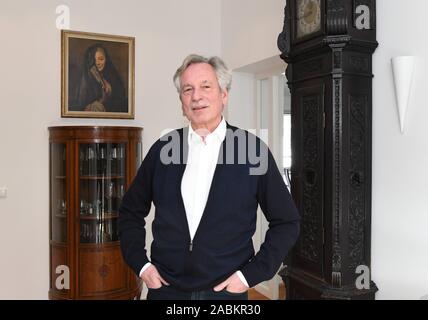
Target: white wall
(400,171)
(241,110)
(249,30)
(165,31)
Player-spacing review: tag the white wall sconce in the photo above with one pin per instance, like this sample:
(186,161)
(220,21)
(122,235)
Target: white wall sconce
(402,69)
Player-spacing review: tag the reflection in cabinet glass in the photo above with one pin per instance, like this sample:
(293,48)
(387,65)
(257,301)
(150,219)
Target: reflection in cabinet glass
(90,170)
(58,193)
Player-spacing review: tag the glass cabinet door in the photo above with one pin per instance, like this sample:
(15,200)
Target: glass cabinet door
(58,192)
(102,178)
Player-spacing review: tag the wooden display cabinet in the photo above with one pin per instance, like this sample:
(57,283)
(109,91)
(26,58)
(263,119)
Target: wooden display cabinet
(90,170)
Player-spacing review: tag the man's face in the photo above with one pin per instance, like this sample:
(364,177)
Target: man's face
(201,96)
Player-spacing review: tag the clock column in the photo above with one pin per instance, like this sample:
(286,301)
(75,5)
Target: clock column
(329,73)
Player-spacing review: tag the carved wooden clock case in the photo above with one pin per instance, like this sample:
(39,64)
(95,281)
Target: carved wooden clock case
(329,74)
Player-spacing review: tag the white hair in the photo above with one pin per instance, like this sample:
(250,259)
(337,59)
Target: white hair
(224,76)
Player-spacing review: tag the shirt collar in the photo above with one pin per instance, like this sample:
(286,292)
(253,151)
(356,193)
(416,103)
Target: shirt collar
(218,134)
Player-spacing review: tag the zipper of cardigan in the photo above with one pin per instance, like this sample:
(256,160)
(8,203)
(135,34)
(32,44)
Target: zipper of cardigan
(191,246)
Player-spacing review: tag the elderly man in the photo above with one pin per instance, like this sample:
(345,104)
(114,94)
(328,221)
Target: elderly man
(206,202)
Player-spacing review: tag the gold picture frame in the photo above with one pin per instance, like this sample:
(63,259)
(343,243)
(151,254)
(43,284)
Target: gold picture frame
(97,75)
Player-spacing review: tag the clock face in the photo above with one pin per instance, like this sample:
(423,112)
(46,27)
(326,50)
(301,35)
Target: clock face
(308,17)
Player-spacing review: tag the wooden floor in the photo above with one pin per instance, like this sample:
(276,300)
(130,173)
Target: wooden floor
(254,295)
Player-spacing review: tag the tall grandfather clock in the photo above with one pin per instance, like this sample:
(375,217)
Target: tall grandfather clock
(328,45)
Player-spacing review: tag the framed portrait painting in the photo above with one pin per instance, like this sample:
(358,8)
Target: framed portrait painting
(97,72)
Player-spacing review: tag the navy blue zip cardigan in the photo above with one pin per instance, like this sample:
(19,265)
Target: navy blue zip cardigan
(223,241)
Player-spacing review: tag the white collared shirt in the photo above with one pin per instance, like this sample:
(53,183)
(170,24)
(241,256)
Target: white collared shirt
(198,175)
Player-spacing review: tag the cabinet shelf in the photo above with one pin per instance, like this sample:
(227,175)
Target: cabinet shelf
(108,244)
(90,169)
(105,216)
(101,177)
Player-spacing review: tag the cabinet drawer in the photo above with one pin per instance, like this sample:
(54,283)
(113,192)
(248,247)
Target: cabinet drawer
(101,270)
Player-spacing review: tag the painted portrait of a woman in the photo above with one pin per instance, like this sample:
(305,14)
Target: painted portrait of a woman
(99,87)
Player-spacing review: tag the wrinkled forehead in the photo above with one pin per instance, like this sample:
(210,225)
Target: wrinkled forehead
(198,73)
